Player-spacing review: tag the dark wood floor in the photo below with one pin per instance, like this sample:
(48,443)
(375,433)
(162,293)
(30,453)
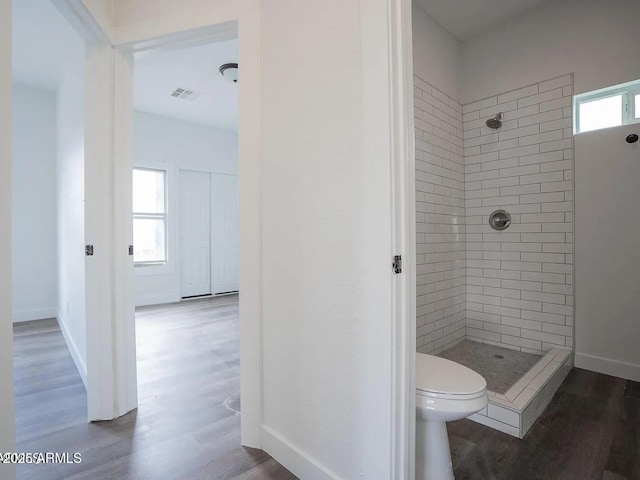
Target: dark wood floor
(186,427)
(590,431)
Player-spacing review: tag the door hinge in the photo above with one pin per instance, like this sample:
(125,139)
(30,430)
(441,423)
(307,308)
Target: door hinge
(88,250)
(397,264)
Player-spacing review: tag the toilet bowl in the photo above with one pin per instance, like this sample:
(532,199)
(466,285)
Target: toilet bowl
(445,391)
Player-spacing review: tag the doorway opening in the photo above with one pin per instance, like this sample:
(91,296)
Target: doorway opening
(48,228)
(185,178)
(185,237)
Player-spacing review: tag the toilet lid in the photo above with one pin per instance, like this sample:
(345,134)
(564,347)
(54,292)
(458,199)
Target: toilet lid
(439,375)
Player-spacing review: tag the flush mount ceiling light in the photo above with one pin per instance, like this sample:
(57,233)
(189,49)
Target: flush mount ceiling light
(230,71)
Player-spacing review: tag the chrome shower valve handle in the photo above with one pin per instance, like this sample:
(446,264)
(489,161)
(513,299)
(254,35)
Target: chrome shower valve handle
(499,220)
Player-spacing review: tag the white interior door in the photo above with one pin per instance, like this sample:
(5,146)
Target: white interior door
(195,233)
(224,233)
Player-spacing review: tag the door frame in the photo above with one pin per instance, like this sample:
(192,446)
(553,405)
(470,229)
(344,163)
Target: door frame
(404,235)
(7,404)
(403,217)
(250,218)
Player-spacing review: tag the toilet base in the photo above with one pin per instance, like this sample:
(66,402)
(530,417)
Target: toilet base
(433,456)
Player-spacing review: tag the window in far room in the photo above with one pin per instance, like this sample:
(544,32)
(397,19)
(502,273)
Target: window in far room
(149,217)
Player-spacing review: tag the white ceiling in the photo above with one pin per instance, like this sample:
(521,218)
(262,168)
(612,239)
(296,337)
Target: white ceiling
(465,19)
(41,42)
(158,74)
(42,39)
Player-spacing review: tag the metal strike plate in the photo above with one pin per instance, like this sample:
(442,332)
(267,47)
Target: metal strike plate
(397,264)
(131,250)
(499,220)
(88,250)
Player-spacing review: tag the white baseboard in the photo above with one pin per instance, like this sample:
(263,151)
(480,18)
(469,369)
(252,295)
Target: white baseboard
(292,458)
(608,366)
(73,350)
(34,314)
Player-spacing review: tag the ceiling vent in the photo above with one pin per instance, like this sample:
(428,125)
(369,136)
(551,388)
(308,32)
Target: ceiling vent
(185,94)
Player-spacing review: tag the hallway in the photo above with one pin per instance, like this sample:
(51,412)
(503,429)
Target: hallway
(186,426)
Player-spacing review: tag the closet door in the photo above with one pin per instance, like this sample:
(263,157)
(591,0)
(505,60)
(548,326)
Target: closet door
(224,233)
(195,233)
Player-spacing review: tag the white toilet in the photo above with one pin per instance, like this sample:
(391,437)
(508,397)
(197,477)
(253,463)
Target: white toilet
(445,391)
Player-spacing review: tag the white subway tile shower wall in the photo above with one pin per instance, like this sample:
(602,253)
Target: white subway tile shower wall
(440,219)
(519,282)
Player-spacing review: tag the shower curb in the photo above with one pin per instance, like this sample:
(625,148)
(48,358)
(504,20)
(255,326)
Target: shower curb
(516,411)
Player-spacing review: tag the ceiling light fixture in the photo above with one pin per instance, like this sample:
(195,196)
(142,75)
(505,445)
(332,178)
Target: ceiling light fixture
(230,71)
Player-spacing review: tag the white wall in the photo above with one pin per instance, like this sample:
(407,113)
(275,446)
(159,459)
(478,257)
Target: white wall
(593,39)
(70,204)
(128,13)
(597,42)
(607,256)
(436,54)
(163,142)
(35,269)
(186,145)
(149,19)
(7,432)
(326,239)
(102,12)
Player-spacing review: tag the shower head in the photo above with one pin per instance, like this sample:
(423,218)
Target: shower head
(495,122)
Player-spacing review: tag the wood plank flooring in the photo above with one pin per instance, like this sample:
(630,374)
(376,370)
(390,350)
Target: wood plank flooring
(590,431)
(186,427)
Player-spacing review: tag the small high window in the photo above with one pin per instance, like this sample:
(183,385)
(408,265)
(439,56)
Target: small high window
(610,107)
(149,217)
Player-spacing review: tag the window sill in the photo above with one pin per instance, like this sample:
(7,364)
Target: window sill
(155,268)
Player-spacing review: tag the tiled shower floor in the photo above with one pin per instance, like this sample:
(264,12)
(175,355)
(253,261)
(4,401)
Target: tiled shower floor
(519,385)
(501,367)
